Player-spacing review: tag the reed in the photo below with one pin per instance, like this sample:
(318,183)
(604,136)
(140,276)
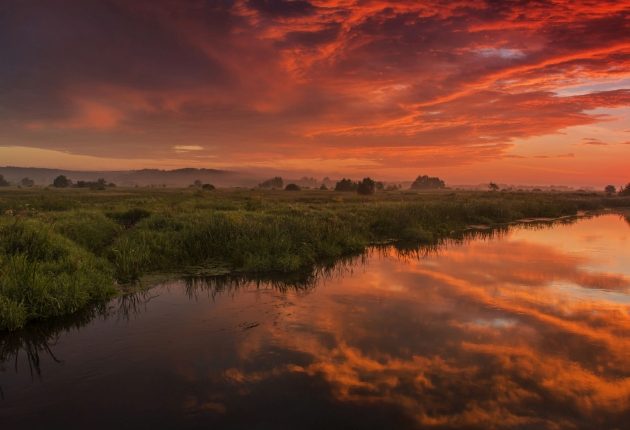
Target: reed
(61,250)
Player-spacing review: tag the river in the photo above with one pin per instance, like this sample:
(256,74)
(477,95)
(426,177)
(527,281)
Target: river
(526,327)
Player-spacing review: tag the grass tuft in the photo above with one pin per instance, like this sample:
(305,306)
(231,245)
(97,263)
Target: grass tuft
(62,250)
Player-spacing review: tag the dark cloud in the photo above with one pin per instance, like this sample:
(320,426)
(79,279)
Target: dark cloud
(311,38)
(49,47)
(593,141)
(282,8)
(446,83)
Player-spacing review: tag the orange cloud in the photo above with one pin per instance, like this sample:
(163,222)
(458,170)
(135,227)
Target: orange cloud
(498,331)
(393,83)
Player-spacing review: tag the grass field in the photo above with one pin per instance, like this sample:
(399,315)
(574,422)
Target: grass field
(61,250)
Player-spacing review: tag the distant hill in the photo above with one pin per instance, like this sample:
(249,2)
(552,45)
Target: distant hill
(144,177)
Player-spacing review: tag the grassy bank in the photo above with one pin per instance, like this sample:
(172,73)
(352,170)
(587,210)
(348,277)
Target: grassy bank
(63,249)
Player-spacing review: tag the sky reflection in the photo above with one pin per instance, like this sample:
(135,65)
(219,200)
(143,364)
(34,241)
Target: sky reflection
(512,330)
(526,329)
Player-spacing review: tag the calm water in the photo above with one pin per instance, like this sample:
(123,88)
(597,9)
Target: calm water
(526,329)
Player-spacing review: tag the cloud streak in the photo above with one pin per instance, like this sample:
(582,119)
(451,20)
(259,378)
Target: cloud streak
(397,84)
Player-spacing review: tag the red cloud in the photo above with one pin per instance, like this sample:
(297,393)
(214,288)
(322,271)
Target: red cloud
(386,82)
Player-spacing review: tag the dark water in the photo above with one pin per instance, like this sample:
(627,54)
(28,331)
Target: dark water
(526,329)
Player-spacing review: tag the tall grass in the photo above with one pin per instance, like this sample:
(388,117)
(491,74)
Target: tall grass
(62,250)
(43,274)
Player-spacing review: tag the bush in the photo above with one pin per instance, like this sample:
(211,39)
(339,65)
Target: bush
(625,191)
(427,183)
(346,185)
(292,187)
(272,183)
(366,187)
(100,184)
(61,182)
(27,182)
(610,189)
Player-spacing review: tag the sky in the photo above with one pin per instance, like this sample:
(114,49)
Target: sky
(527,92)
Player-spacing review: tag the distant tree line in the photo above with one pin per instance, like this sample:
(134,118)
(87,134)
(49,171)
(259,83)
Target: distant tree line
(24,182)
(624,190)
(366,186)
(273,183)
(63,181)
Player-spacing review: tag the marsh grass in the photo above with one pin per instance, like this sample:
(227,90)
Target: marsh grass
(64,249)
(43,274)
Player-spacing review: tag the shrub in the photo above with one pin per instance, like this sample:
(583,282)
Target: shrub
(366,186)
(346,185)
(427,183)
(99,184)
(27,182)
(61,182)
(273,183)
(292,187)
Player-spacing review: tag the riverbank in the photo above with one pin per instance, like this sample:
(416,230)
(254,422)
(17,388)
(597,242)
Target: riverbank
(61,250)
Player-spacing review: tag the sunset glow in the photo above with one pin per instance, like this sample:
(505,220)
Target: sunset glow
(470,90)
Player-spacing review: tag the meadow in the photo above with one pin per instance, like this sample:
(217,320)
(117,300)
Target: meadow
(64,249)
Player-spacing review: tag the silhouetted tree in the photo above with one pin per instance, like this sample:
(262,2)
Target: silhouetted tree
(346,185)
(3,182)
(625,191)
(427,183)
(610,189)
(99,184)
(292,187)
(275,182)
(61,182)
(27,182)
(493,187)
(366,187)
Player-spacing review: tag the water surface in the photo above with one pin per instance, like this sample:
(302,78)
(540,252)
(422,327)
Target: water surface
(527,328)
